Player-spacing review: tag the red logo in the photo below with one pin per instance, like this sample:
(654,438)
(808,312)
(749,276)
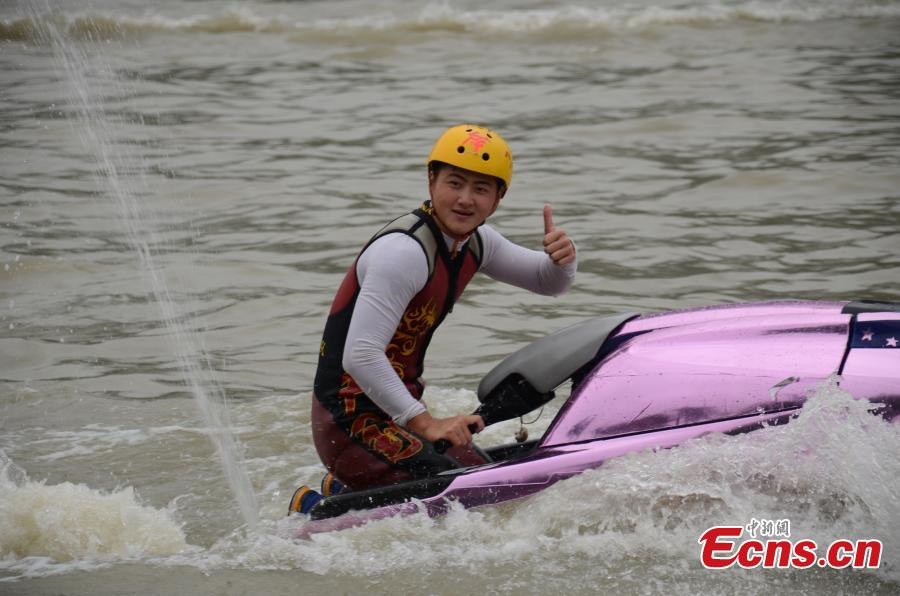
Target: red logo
(476,141)
(720,550)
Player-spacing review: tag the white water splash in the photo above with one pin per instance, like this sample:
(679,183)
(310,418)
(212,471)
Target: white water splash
(121,175)
(834,471)
(44,528)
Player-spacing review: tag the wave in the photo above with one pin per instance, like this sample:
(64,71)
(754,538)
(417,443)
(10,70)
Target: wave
(557,23)
(832,472)
(47,529)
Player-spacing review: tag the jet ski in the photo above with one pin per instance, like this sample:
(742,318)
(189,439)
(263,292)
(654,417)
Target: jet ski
(648,381)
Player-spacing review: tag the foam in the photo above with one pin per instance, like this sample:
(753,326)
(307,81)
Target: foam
(560,22)
(43,525)
(834,472)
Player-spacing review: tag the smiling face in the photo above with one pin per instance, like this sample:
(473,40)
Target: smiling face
(462,199)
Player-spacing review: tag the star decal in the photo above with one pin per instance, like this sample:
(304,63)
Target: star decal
(877,334)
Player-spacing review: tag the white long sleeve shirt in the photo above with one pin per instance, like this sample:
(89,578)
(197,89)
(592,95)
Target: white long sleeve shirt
(391,271)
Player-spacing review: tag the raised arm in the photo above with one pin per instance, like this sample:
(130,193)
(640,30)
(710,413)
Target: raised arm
(550,272)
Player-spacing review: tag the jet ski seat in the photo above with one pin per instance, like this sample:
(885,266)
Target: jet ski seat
(547,362)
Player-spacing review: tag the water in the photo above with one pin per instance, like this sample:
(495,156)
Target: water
(699,153)
(121,176)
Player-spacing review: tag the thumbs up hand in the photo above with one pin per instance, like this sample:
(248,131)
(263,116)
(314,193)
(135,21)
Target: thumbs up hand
(556,243)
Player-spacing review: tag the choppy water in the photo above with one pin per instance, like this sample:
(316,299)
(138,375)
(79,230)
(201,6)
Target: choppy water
(225,162)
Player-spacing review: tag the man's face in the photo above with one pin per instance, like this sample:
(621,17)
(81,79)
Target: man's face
(462,199)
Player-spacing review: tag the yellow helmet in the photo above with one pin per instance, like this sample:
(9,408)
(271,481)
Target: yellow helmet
(474,148)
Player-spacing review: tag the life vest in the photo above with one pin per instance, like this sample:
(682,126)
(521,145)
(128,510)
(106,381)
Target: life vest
(448,276)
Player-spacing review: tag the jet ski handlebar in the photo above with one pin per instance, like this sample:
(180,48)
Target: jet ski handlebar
(442,445)
(512,398)
(525,380)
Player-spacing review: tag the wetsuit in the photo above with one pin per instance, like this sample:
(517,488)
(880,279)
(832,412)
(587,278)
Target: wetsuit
(399,289)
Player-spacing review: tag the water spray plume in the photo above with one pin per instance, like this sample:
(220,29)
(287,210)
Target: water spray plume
(121,178)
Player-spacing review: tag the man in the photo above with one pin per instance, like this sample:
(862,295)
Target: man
(369,426)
